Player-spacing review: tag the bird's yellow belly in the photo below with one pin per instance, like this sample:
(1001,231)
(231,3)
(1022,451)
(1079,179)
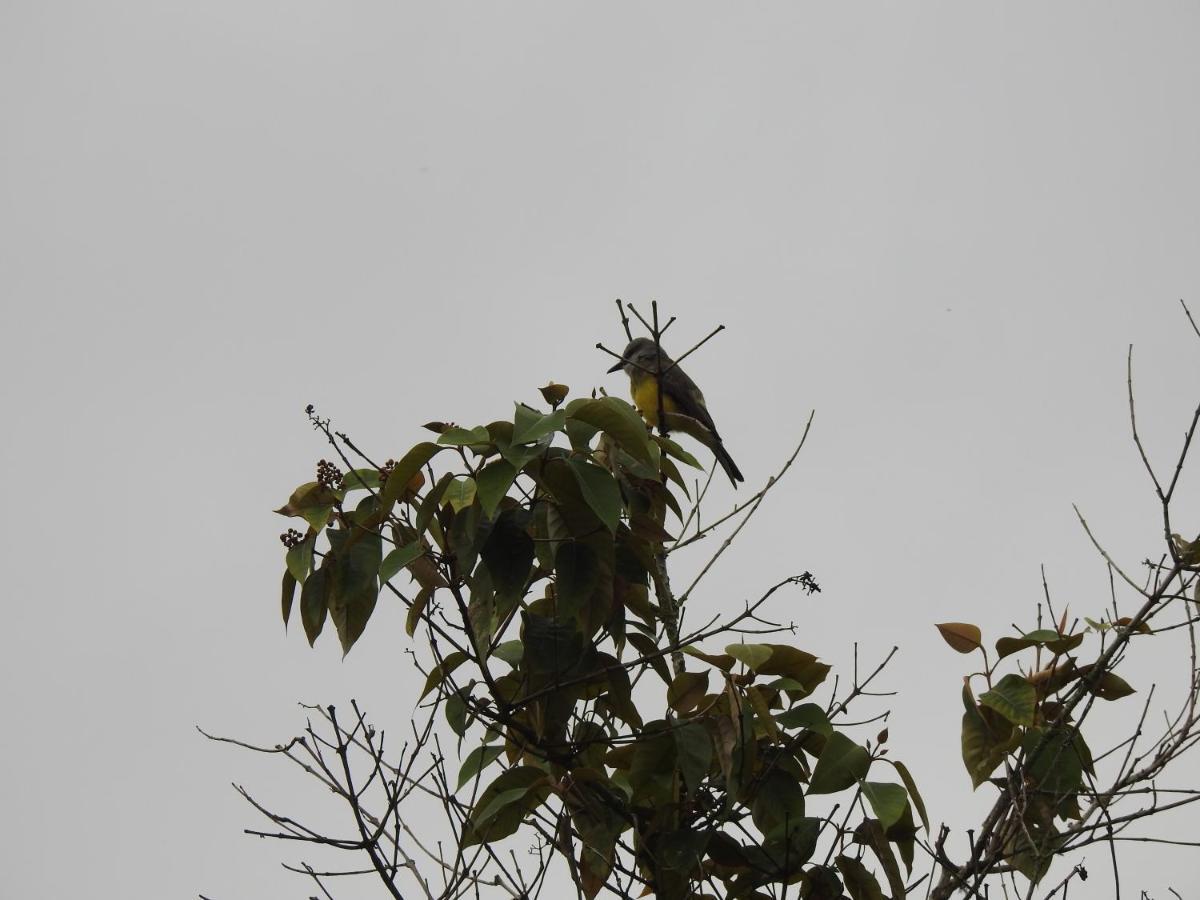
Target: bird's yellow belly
(645,398)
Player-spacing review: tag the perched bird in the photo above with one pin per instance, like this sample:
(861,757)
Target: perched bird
(682,403)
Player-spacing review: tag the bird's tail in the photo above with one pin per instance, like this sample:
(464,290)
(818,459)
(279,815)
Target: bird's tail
(727,463)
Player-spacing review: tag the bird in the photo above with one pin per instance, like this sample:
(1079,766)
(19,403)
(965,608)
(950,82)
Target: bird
(682,404)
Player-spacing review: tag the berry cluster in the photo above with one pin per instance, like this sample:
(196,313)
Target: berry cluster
(291,538)
(329,475)
(386,471)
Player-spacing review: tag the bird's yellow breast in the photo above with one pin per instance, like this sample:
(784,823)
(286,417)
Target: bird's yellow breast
(644,389)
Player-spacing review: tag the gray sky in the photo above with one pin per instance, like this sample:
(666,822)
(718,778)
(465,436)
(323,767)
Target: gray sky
(938,224)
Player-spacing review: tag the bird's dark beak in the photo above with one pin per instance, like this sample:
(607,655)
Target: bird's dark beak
(617,367)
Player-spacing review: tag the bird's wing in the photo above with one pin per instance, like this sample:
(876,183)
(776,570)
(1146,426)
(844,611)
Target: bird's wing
(688,397)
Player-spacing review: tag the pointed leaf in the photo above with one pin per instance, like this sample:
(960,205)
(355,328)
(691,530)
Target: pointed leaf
(1014,698)
(600,491)
(409,465)
(617,419)
(288,595)
(693,753)
(887,800)
(911,786)
(460,493)
(463,437)
(962,637)
(314,603)
(478,760)
(397,559)
(493,483)
(841,763)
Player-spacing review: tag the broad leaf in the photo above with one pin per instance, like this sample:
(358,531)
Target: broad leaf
(314,603)
(397,559)
(478,760)
(1014,698)
(841,764)
(887,800)
(694,753)
(409,465)
(617,419)
(962,637)
(600,491)
(493,483)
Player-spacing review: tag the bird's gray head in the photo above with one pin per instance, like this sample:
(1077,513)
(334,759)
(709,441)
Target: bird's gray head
(641,354)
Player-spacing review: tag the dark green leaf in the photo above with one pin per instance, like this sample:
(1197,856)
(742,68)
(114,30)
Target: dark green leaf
(430,503)
(1111,686)
(913,793)
(300,558)
(289,593)
(463,437)
(778,801)
(806,715)
(314,603)
(398,559)
(1054,760)
(673,449)
(577,575)
(1014,698)
(887,800)
(860,883)
(841,764)
(354,583)
(1007,646)
(686,690)
(504,803)
(600,491)
(617,419)
(439,673)
(456,711)
(409,465)
(361,480)
(694,753)
(508,553)
(493,483)
(510,652)
(645,646)
(478,760)
(530,425)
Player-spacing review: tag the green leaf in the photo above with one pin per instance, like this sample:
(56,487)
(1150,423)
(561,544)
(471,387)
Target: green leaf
(686,690)
(459,493)
(982,748)
(508,553)
(417,609)
(478,760)
(313,502)
(354,588)
(300,558)
(361,480)
(1014,698)
(860,883)
(463,437)
(645,646)
(1111,686)
(456,711)
(887,800)
(778,801)
(600,491)
(398,559)
(409,465)
(493,483)
(673,449)
(1041,635)
(314,603)
(529,425)
(961,636)
(618,420)
(510,652)
(693,753)
(504,803)
(750,655)
(806,715)
(441,671)
(1007,646)
(913,793)
(288,595)
(577,575)
(841,764)
(1054,759)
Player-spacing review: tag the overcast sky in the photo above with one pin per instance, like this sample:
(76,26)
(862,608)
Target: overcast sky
(939,225)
